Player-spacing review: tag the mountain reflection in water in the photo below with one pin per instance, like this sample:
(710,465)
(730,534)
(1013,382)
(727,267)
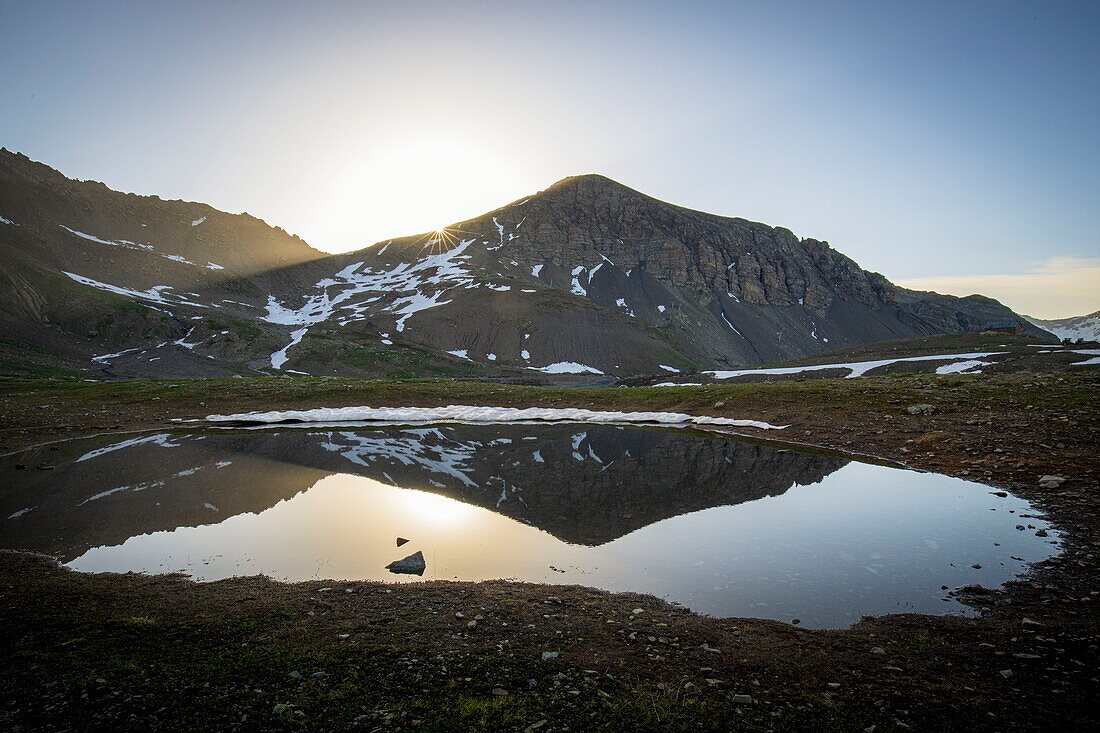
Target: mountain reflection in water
(726,527)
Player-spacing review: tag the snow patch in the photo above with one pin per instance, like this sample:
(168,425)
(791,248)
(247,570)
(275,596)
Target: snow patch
(156,294)
(198,221)
(855,369)
(567,367)
(280,357)
(483,415)
(961,367)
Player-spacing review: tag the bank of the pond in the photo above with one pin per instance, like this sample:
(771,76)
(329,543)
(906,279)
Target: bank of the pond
(121,652)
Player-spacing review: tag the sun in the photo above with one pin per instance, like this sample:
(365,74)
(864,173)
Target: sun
(397,187)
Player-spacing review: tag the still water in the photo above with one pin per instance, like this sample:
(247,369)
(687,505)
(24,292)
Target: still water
(724,527)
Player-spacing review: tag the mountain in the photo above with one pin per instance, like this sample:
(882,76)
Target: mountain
(588,276)
(1086,328)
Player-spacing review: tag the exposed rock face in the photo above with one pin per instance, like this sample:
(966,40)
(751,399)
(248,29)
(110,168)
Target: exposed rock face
(587,272)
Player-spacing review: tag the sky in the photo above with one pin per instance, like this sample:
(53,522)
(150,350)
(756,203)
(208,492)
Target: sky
(951,146)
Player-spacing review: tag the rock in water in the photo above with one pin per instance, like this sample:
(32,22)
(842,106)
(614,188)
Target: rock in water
(401,541)
(412,565)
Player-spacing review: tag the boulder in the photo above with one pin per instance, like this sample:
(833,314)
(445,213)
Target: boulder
(412,565)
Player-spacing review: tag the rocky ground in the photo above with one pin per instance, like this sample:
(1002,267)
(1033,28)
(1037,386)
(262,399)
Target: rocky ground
(135,652)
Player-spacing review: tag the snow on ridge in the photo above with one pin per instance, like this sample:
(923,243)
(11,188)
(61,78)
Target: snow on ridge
(855,369)
(1081,327)
(482,415)
(667,368)
(198,221)
(146,247)
(156,294)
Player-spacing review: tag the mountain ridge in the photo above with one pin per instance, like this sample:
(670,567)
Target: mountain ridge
(588,275)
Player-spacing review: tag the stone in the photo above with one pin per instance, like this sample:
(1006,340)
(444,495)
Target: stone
(547,656)
(412,565)
(1051,482)
(741,699)
(691,689)
(921,409)
(877,650)
(401,541)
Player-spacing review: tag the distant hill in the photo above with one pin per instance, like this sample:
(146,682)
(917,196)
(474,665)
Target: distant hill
(1077,327)
(588,276)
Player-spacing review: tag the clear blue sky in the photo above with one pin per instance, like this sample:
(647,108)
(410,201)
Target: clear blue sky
(926,140)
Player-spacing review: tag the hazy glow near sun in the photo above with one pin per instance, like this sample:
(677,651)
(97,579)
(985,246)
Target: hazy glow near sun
(410,185)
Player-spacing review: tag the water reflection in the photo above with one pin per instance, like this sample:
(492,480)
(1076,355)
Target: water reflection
(726,527)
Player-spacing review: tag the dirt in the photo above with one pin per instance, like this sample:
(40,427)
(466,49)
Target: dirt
(129,651)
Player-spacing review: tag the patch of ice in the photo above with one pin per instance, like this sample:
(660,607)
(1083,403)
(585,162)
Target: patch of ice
(661,308)
(678,384)
(198,221)
(461,354)
(667,368)
(483,415)
(525,354)
(536,270)
(855,369)
(21,512)
(491,357)
(214,266)
(5,220)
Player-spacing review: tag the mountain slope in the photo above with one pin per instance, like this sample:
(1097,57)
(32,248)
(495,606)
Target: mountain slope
(1086,328)
(588,276)
(668,285)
